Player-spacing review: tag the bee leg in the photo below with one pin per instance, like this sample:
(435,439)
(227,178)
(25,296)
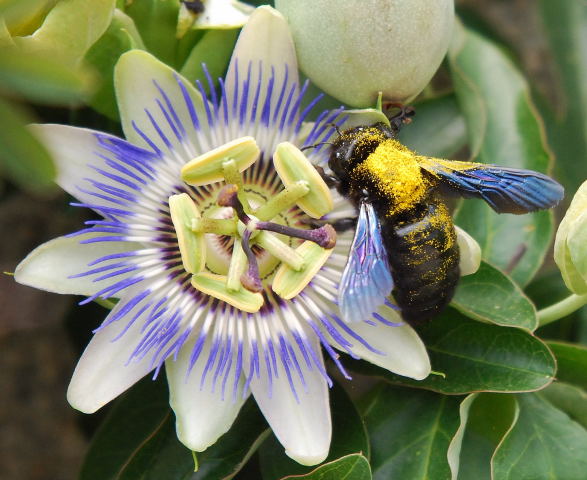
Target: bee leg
(340,225)
(330,180)
(344,224)
(404,116)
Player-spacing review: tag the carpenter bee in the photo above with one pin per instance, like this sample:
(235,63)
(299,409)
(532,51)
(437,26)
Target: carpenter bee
(405,239)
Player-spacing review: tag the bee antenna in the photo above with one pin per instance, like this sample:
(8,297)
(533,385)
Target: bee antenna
(335,126)
(307,147)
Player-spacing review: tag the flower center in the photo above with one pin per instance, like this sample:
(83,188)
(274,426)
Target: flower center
(256,227)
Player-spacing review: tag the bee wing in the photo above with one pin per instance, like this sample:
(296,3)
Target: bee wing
(366,281)
(506,190)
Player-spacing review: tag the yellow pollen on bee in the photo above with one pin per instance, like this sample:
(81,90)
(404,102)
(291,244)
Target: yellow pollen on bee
(395,171)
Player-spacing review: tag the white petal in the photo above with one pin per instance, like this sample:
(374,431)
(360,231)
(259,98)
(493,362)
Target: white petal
(470,252)
(202,415)
(304,428)
(102,372)
(73,150)
(404,351)
(136,77)
(223,14)
(48,266)
(264,42)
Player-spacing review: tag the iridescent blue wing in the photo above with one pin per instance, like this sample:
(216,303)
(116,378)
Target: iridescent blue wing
(506,190)
(366,281)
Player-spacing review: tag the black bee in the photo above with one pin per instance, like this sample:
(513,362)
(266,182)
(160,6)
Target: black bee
(405,238)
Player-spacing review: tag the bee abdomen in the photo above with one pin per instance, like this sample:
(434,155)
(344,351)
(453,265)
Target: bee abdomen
(424,260)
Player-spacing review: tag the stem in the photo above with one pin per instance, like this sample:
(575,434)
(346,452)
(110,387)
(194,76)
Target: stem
(561,309)
(250,279)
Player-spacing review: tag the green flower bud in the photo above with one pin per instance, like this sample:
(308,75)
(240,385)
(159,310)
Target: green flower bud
(354,49)
(570,245)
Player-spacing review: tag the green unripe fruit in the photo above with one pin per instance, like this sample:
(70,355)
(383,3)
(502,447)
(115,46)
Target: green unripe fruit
(353,49)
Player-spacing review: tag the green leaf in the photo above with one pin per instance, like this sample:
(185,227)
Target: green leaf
(22,157)
(568,398)
(477,357)
(225,458)
(438,129)
(41,78)
(138,440)
(565,24)
(455,447)
(571,361)
(138,426)
(121,36)
(410,432)
(156,21)
(489,295)
(505,129)
(542,443)
(348,436)
(351,467)
(66,34)
(214,50)
(490,417)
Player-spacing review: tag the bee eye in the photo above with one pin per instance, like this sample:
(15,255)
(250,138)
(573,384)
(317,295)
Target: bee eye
(340,161)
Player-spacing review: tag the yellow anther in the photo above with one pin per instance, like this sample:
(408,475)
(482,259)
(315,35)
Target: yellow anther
(191,245)
(215,286)
(288,283)
(292,166)
(208,168)
(218,226)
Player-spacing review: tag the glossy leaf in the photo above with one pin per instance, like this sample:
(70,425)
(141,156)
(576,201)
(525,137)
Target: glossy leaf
(138,440)
(410,432)
(475,357)
(232,451)
(137,426)
(542,443)
(571,360)
(438,128)
(121,36)
(22,157)
(489,295)
(41,78)
(455,447)
(568,398)
(351,467)
(504,129)
(349,436)
(489,418)
(565,25)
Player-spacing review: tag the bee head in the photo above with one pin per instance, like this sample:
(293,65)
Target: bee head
(353,146)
